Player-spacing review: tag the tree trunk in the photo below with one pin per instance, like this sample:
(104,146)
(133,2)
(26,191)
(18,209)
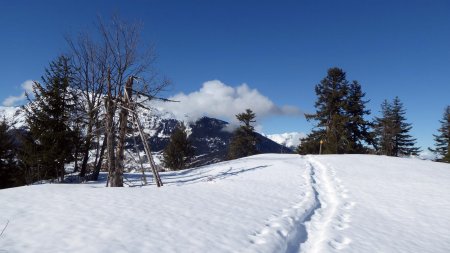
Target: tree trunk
(86,150)
(117,177)
(110,137)
(98,165)
(77,149)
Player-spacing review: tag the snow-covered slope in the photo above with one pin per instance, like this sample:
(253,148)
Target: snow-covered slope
(13,115)
(263,203)
(290,140)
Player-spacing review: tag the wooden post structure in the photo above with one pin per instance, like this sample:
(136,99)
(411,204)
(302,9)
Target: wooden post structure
(116,159)
(147,151)
(320,148)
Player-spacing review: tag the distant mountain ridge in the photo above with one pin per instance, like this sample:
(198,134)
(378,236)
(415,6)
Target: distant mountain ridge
(209,136)
(289,140)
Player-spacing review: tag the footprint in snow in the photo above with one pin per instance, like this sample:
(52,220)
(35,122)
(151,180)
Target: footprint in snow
(345,218)
(341,226)
(349,205)
(340,243)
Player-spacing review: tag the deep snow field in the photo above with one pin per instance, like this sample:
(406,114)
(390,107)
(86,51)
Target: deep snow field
(263,203)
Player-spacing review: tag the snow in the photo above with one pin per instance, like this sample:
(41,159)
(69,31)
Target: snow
(290,140)
(14,115)
(263,203)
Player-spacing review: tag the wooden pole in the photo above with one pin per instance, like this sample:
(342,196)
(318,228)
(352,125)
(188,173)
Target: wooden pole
(320,148)
(148,152)
(144,178)
(109,125)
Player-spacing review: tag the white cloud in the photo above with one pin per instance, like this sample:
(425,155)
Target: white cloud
(26,86)
(218,100)
(290,140)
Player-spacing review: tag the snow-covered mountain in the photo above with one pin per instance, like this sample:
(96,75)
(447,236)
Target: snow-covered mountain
(14,115)
(290,140)
(210,137)
(264,203)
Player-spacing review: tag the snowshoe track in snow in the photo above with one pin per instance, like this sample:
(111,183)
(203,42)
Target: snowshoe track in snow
(307,226)
(333,217)
(287,231)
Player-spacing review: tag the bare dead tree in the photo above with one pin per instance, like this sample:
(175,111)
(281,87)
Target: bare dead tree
(103,67)
(90,60)
(125,60)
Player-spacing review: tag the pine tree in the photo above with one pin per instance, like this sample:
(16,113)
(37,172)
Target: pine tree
(179,152)
(330,114)
(357,127)
(51,139)
(10,174)
(384,130)
(393,131)
(243,142)
(404,143)
(442,139)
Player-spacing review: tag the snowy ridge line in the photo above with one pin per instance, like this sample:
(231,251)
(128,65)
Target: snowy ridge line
(286,232)
(331,215)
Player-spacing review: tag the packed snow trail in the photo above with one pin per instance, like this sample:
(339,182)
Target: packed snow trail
(286,231)
(312,224)
(329,218)
(263,203)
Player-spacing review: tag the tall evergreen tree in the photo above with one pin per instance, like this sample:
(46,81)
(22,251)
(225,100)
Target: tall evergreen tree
(243,142)
(393,131)
(179,152)
(357,127)
(339,117)
(442,139)
(51,139)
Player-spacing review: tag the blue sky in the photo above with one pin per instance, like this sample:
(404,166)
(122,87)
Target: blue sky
(280,48)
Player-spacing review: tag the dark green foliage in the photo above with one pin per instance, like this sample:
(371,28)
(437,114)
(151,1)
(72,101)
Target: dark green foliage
(340,111)
(10,173)
(179,152)
(384,130)
(243,142)
(392,131)
(442,139)
(50,142)
(358,129)
(311,143)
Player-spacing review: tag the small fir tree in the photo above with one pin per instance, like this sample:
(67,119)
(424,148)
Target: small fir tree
(243,142)
(404,143)
(384,130)
(442,139)
(392,131)
(179,152)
